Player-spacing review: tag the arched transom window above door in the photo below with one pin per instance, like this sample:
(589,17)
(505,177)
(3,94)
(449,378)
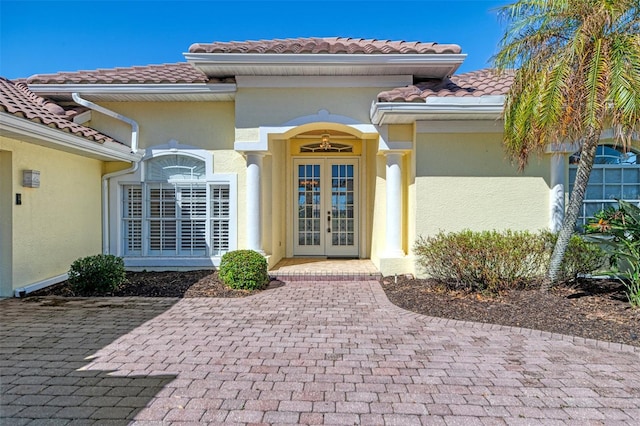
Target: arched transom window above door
(324,142)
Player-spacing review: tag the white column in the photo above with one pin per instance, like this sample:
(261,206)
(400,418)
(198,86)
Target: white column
(394,204)
(254,205)
(556,191)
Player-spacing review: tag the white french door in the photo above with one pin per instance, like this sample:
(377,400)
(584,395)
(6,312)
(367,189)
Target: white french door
(326,207)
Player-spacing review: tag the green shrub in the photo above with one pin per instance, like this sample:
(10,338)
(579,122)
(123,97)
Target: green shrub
(495,261)
(244,270)
(581,258)
(101,273)
(618,230)
(483,261)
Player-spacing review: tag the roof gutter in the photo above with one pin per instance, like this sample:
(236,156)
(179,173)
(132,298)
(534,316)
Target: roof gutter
(50,89)
(105,178)
(434,108)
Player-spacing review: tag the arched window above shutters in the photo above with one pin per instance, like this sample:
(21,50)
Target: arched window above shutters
(172,168)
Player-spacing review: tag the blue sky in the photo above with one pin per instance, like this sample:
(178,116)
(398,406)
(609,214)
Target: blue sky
(39,37)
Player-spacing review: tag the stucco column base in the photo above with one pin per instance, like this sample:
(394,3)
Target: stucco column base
(396,265)
(393,253)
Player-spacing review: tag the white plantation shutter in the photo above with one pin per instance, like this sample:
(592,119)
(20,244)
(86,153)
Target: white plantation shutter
(220,219)
(161,219)
(132,219)
(192,202)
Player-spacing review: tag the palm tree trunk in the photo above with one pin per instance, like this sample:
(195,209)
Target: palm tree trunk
(587,156)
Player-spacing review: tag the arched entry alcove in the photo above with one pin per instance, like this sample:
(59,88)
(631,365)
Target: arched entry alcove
(273,179)
(326,193)
(329,173)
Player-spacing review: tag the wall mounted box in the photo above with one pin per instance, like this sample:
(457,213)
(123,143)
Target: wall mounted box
(31,178)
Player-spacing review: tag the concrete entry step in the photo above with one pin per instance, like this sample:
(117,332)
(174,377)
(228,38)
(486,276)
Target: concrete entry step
(323,269)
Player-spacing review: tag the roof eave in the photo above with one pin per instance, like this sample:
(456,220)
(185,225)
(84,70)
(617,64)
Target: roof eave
(205,90)
(444,108)
(424,65)
(41,134)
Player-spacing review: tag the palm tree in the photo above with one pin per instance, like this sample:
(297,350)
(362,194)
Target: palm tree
(577,72)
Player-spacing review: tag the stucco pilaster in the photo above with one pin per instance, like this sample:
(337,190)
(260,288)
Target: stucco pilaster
(556,191)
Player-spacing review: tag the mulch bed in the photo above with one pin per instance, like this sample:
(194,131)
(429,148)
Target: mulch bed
(201,283)
(595,309)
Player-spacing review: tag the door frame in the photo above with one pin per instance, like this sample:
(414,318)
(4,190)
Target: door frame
(291,211)
(326,248)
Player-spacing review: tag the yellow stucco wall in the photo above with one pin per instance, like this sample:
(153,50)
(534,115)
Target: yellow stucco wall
(378,236)
(209,125)
(276,202)
(274,107)
(463,181)
(58,222)
(6,223)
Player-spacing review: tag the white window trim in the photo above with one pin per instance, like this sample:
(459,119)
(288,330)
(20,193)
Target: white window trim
(138,177)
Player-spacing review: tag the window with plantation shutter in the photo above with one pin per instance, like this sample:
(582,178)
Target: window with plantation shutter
(161,220)
(132,219)
(192,222)
(176,212)
(220,217)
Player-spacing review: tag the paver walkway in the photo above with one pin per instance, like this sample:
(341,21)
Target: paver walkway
(332,353)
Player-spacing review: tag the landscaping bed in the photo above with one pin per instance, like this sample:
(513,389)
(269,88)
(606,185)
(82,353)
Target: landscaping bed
(202,283)
(594,309)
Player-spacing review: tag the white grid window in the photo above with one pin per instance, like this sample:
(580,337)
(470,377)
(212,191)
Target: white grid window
(615,176)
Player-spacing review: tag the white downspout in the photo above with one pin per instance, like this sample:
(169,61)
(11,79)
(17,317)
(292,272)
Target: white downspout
(134,126)
(105,178)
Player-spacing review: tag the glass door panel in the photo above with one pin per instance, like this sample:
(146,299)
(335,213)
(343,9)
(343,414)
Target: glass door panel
(309,235)
(327,209)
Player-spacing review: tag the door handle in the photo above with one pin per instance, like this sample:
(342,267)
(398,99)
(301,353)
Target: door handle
(329,221)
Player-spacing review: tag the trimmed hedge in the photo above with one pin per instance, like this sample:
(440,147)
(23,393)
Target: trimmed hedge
(495,261)
(244,270)
(101,273)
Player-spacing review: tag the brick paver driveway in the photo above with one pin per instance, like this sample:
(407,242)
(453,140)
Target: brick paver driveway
(332,353)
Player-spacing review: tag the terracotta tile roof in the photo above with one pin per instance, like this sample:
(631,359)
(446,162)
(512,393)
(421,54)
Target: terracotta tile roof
(181,72)
(18,100)
(476,83)
(328,45)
